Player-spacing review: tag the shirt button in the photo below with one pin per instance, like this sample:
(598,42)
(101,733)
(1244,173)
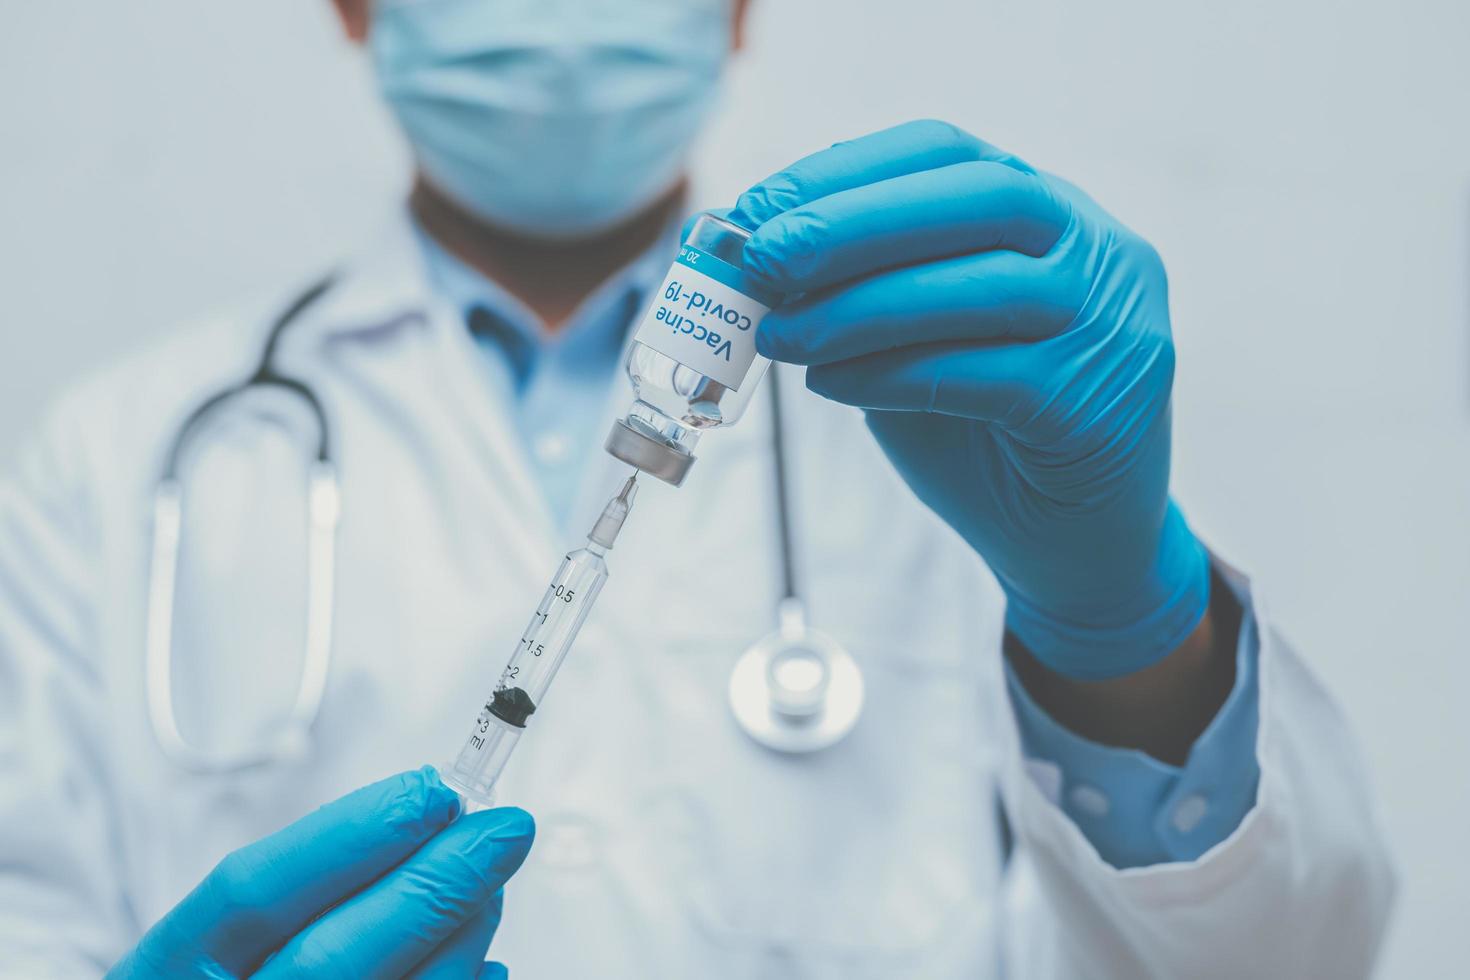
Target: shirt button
(1190,811)
(551,448)
(1090,800)
(1048,778)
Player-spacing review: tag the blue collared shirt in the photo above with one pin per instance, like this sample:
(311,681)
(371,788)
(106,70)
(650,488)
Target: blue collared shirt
(558,383)
(1134,809)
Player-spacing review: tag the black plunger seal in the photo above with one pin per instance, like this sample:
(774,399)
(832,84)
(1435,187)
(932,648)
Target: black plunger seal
(512,706)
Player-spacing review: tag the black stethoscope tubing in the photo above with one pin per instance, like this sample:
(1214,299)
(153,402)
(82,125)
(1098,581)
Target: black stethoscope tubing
(264,375)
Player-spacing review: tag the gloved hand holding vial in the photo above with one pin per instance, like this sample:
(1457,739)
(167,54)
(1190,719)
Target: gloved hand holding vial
(693,367)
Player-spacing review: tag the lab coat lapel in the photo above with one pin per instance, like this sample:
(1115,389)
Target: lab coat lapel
(387,288)
(485,421)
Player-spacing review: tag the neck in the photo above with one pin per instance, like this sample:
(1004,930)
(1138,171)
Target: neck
(551,277)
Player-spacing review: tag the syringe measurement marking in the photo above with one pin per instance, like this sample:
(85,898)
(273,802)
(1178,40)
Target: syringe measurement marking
(542,614)
(541,618)
(540,622)
(482,726)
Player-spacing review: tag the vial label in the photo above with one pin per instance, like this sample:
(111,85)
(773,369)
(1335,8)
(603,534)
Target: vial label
(705,317)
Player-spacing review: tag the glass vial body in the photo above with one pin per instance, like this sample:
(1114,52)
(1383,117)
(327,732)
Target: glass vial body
(692,361)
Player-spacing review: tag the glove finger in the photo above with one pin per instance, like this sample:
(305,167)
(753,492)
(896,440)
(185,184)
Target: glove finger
(986,296)
(965,379)
(494,971)
(261,895)
(904,149)
(463,953)
(966,207)
(393,925)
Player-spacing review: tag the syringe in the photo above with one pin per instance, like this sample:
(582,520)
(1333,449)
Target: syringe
(541,649)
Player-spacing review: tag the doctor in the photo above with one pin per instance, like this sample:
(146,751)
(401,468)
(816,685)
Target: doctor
(989,531)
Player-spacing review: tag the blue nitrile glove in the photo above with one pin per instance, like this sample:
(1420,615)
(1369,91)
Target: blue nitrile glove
(1009,341)
(384,882)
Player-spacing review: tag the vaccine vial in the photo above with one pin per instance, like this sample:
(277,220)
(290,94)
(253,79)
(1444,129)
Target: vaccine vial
(692,361)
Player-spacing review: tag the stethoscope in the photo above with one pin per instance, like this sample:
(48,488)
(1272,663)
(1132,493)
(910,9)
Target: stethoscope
(292,737)
(795,690)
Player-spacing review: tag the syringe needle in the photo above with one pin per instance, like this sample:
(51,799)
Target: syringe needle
(605,531)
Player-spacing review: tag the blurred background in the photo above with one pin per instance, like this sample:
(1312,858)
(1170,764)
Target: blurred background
(1303,166)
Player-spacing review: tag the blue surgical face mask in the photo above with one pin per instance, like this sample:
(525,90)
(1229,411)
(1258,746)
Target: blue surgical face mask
(555,118)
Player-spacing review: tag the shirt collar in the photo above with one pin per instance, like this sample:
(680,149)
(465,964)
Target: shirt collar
(383,285)
(392,282)
(598,323)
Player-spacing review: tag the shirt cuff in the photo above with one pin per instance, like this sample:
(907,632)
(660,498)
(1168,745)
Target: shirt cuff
(1138,811)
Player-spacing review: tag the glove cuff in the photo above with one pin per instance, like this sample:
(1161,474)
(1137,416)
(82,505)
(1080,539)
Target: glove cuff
(1136,633)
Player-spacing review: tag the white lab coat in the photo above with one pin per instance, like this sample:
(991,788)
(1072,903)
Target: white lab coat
(670,844)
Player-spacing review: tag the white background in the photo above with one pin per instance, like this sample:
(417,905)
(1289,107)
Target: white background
(1305,171)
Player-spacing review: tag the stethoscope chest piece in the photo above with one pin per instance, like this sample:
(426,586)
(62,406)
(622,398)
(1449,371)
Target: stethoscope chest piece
(796,690)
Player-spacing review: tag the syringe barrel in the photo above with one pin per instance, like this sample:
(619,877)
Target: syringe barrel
(527,676)
(553,626)
(485,753)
